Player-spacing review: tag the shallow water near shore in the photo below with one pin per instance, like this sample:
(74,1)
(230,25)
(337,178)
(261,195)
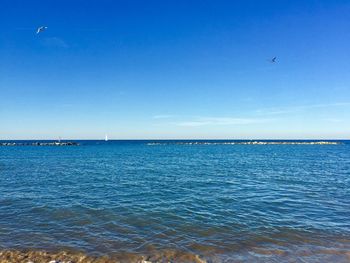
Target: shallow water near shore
(145,200)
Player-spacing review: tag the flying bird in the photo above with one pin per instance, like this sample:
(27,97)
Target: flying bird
(273,60)
(41,29)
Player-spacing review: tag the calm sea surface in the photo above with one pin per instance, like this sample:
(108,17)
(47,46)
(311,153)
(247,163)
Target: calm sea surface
(225,203)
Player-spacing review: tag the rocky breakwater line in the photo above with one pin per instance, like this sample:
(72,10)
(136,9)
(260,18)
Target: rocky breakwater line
(39,144)
(293,143)
(250,143)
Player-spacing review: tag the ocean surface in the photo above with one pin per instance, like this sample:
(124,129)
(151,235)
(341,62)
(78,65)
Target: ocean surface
(222,202)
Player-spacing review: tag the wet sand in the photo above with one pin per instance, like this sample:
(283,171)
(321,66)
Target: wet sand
(172,256)
(15,256)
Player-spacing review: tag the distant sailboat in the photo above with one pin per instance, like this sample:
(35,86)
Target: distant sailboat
(106,138)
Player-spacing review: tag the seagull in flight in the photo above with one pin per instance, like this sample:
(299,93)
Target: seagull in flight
(41,29)
(273,60)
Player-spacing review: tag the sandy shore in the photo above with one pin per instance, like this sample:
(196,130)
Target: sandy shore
(172,256)
(15,256)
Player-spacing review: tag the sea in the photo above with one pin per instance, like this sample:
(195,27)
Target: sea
(179,201)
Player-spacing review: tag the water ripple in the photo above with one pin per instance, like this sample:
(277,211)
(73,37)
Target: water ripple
(242,202)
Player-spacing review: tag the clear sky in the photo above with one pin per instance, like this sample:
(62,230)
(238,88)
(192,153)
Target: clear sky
(174,69)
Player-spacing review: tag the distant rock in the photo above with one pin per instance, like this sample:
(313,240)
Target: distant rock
(248,143)
(39,144)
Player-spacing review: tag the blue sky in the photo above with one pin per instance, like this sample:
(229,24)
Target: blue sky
(174,69)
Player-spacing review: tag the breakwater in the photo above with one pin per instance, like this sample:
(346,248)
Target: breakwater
(248,143)
(38,144)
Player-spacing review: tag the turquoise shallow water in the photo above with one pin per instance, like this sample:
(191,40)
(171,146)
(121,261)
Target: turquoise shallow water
(223,202)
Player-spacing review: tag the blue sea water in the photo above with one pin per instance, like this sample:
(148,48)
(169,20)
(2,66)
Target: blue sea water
(225,203)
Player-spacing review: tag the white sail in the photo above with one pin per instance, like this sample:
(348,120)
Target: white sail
(106,138)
